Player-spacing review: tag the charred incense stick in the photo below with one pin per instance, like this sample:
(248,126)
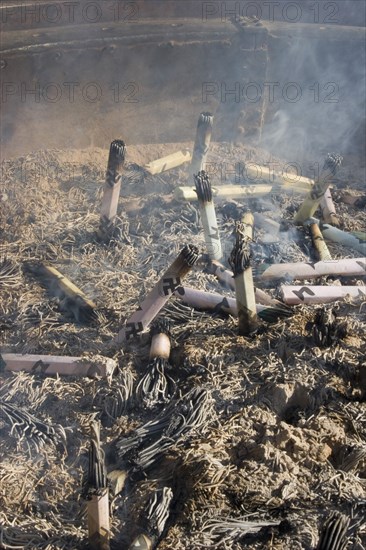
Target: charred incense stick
(167,163)
(156,514)
(318,240)
(159,295)
(208,215)
(334,533)
(53,364)
(328,208)
(300,271)
(224,191)
(202,143)
(354,240)
(72,298)
(112,187)
(293,295)
(312,201)
(212,301)
(156,386)
(244,288)
(98,495)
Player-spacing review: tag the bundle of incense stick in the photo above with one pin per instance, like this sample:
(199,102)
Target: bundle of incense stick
(73,300)
(244,287)
(328,208)
(325,327)
(208,215)
(167,163)
(312,201)
(302,271)
(354,240)
(112,187)
(216,303)
(155,517)
(64,365)
(159,295)
(320,294)
(334,533)
(226,278)
(318,240)
(202,143)
(98,495)
(156,386)
(224,191)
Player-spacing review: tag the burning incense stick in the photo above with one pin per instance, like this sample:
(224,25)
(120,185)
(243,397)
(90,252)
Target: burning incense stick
(244,288)
(300,271)
(354,240)
(328,208)
(312,201)
(54,364)
(208,215)
(98,495)
(159,295)
(212,301)
(156,386)
(73,299)
(202,143)
(293,295)
(167,163)
(318,241)
(112,187)
(224,191)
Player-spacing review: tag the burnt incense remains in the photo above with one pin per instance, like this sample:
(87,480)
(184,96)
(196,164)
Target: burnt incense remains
(334,533)
(325,328)
(112,188)
(208,215)
(159,295)
(156,386)
(97,494)
(202,143)
(244,288)
(314,198)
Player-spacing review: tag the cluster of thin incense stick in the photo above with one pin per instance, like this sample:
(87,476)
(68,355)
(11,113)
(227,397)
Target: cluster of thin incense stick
(325,327)
(334,533)
(189,414)
(113,402)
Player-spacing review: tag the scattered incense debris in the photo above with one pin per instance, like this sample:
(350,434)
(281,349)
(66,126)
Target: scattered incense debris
(265,429)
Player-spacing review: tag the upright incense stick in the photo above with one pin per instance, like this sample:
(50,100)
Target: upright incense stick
(356,241)
(112,187)
(318,241)
(208,215)
(321,294)
(312,201)
(202,142)
(244,288)
(98,495)
(159,295)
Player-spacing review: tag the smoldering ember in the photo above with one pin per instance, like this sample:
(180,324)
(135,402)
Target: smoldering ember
(182,359)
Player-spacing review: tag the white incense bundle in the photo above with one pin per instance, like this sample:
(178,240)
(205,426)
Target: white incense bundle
(112,186)
(224,191)
(212,301)
(258,173)
(293,295)
(54,364)
(319,243)
(243,277)
(328,208)
(355,241)
(208,215)
(167,163)
(351,267)
(202,143)
(159,295)
(312,201)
